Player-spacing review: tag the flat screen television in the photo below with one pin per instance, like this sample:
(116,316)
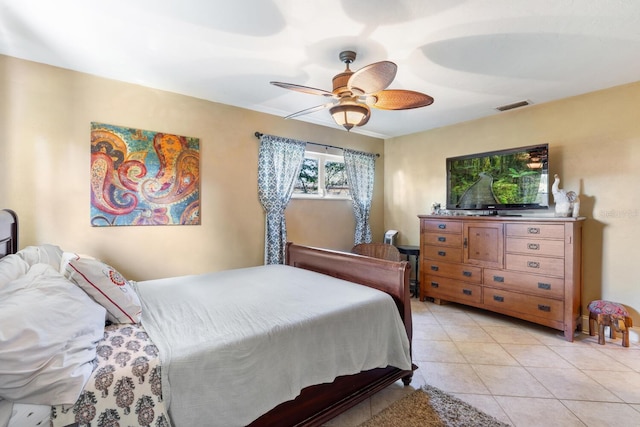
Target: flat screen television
(502,180)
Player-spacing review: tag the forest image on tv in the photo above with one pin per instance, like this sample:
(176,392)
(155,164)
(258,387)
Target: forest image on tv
(506,179)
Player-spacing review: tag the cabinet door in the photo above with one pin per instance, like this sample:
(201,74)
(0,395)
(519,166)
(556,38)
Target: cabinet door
(483,244)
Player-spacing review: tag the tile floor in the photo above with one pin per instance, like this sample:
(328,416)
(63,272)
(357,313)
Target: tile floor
(522,374)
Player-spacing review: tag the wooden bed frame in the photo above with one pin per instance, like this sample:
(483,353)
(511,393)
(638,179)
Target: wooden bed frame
(8,232)
(316,404)
(319,403)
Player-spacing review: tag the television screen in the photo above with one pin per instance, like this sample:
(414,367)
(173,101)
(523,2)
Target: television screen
(516,178)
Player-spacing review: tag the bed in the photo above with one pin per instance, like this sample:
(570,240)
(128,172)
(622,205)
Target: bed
(195,371)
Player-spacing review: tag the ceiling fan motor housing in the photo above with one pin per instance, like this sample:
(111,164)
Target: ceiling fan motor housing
(340,82)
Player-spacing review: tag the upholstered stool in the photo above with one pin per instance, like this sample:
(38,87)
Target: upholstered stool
(611,314)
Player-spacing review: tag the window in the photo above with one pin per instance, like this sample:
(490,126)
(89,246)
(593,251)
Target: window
(322,176)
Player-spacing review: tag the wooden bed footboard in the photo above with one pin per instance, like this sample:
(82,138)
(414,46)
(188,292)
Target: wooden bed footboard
(319,403)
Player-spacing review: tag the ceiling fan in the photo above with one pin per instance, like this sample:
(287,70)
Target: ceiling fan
(355,91)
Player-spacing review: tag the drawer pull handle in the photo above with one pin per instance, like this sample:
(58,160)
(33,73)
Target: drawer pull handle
(467,291)
(435,285)
(442,239)
(442,226)
(465,242)
(533,246)
(533,230)
(544,308)
(498,279)
(466,273)
(442,253)
(533,264)
(545,286)
(434,268)
(498,298)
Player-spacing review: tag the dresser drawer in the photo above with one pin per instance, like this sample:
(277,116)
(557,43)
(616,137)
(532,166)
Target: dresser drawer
(552,287)
(442,253)
(449,289)
(443,239)
(535,246)
(547,308)
(542,231)
(443,226)
(461,272)
(534,264)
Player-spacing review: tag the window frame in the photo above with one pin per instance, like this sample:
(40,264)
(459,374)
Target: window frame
(322,158)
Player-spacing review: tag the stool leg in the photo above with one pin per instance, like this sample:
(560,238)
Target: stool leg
(613,328)
(601,333)
(625,333)
(592,325)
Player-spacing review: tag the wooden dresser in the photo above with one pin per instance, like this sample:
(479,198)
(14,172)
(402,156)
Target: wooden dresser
(529,268)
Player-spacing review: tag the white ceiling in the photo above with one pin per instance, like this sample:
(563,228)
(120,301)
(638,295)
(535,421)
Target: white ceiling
(470,55)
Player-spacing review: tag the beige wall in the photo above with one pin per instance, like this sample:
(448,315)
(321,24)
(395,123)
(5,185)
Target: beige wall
(594,147)
(45,116)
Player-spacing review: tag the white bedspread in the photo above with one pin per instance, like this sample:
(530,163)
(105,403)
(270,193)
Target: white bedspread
(234,344)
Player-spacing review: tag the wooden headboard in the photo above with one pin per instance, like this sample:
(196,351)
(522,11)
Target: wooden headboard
(8,232)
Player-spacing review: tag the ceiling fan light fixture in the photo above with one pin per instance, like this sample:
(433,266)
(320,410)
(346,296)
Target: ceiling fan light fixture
(350,114)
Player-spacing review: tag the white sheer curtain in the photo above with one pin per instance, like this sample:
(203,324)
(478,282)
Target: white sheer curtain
(360,169)
(279,163)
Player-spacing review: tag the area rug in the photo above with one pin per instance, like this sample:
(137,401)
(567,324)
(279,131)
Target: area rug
(431,407)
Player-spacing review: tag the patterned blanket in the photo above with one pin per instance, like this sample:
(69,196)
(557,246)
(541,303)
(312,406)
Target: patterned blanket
(125,388)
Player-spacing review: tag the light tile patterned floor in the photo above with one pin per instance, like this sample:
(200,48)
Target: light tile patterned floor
(521,373)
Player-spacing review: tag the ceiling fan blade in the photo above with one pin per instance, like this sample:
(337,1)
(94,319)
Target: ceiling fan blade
(372,78)
(303,89)
(398,99)
(309,110)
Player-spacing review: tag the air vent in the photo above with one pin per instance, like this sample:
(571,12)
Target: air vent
(514,105)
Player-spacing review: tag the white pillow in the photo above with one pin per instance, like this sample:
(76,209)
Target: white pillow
(47,254)
(49,330)
(11,267)
(107,287)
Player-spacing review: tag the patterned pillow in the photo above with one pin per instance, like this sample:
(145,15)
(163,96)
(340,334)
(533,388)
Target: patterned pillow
(107,287)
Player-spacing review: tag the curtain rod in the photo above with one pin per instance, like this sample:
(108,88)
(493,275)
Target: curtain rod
(259,135)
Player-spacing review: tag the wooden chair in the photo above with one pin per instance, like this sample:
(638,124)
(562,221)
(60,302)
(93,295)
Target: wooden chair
(377,250)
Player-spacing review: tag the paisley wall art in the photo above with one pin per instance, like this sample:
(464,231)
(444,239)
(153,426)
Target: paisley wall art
(141,177)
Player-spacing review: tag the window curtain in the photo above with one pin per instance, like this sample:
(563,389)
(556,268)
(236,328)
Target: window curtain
(360,169)
(279,163)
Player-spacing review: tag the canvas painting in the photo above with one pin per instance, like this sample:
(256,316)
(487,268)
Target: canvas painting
(141,177)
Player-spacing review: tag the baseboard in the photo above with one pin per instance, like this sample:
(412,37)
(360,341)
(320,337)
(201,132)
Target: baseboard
(634,337)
